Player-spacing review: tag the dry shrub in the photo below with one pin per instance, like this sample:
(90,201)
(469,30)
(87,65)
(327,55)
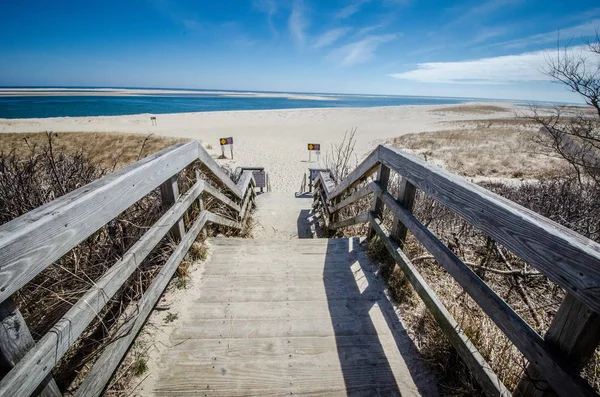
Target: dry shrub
(39,171)
(486,148)
(471,109)
(105,149)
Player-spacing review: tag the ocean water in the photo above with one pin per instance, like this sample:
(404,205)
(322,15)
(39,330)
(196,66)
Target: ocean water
(12,107)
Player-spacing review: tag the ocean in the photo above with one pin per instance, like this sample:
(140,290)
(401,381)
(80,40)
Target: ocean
(66,105)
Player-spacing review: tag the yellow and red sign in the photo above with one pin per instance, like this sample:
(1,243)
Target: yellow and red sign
(314,146)
(226,141)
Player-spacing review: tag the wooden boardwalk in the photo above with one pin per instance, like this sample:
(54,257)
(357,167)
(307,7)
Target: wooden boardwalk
(303,316)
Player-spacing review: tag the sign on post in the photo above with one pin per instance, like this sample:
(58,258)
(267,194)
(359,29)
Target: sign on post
(313,147)
(226,141)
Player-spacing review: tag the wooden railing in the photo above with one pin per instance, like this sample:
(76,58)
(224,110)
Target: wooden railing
(565,257)
(37,239)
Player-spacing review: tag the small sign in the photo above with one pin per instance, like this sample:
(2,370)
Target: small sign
(226,141)
(260,178)
(314,146)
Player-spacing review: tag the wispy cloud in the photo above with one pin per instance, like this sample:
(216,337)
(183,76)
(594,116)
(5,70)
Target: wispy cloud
(362,50)
(368,29)
(494,70)
(269,7)
(350,9)
(298,23)
(330,37)
(575,32)
(486,34)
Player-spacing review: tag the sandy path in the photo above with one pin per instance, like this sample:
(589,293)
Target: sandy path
(275,139)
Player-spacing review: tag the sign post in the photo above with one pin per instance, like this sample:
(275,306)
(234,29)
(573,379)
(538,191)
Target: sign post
(226,141)
(313,147)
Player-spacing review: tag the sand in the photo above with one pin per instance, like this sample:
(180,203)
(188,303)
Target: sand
(274,139)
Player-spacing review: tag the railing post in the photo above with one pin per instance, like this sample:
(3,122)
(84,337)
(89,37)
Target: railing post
(16,341)
(201,205)
(574,335)
(383,177)
(406,198)
(169,192)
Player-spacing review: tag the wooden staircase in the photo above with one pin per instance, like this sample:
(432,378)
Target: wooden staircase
(299,316)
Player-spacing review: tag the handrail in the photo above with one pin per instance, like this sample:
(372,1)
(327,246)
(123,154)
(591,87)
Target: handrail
(33,241)
(565,257)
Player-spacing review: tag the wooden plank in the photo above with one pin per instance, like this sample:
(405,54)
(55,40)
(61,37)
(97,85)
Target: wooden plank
(353,198)
(533,347)
(16,341)
(574,335)
(220,196)
(40,360)
(169,192)
(245,207)
(406,198)
(478,366)
(217,171)
(102,371)
(41,238)
(360,173)
(360,218)
(246,179)
(221,220)
(325,181)
(245,310)
(35,215)
(565,257)
(382,179)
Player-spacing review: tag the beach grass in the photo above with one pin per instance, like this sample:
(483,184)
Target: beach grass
(111,150)
(485,149)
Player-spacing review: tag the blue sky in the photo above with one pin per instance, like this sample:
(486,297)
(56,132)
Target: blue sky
(490,49)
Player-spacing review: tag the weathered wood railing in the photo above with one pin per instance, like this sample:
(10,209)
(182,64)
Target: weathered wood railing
(37,239)
(565,257)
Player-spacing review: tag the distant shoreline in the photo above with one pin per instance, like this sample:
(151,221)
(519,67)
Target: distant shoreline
(116,92)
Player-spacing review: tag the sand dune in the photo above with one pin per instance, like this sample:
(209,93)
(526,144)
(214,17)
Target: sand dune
(275,139)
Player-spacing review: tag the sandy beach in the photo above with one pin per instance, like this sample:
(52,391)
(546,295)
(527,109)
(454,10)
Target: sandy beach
(274,139)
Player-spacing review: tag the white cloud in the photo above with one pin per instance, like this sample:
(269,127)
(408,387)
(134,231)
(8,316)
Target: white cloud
(350,10)
(496,70)
(362,50)
(523,67)
(330,36)
(297,23)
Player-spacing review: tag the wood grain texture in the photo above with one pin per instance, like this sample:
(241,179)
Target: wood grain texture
(39,239)
(169,192)
(40,360)
(244,182)
(406,198)
(382,181)
(565,257)
(360,218)
(533,347)
(248,333)
(360,173)
(221,197)
(16,341)
(478,366)
(221,220)
(217,171)
(353,198)
(101,372)
(573,335)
